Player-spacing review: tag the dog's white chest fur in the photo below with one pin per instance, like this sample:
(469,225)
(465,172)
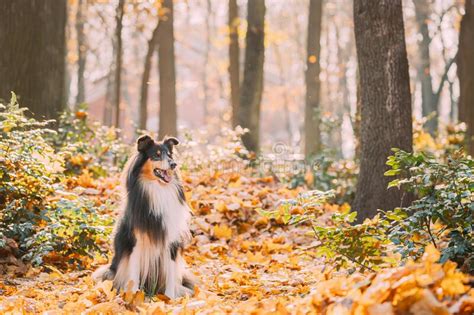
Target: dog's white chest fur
(164,202)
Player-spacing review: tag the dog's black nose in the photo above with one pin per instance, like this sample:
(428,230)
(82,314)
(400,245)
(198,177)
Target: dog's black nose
(173,165)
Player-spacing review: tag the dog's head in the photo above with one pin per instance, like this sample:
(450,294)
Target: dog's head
(159,163)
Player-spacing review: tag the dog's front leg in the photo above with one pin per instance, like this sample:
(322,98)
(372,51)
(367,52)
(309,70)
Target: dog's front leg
(134,269)
(171,277)
(176,269)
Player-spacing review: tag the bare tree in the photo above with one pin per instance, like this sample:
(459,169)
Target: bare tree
(430,97)
(252,85)
(286,97)
(166,67)
(118,59)
(466,73)
(313,85)
(205,86)
(152,44)
(81,51)
(385,100)
(234,59)
(32,59)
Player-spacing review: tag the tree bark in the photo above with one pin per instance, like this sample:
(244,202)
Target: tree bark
(81,52)
(385,101)
(118,59)
(234,60)
(152,43)
(252,85)
(167,72)
(465,60)
(32,58)
(357,123)
(313,85)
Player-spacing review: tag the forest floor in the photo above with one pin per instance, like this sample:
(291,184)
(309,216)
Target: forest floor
(246,264)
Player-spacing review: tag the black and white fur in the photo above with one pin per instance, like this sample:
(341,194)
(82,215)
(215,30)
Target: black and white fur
(153,229)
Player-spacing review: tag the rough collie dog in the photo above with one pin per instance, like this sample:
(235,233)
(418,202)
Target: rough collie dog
(153,229)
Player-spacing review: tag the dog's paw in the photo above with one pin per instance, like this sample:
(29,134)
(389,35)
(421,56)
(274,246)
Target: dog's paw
(103,273)
(184,291)
(179,291)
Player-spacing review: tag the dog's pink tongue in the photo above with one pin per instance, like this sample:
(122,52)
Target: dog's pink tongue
(167,176)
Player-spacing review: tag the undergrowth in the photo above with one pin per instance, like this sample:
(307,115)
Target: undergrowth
(46,221)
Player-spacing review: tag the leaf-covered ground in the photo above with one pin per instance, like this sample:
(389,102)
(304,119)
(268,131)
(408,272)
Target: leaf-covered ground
(246,265)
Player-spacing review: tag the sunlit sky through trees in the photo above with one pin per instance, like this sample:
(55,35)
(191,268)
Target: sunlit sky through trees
(201,30)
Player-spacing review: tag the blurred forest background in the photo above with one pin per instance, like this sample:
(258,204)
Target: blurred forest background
(326,150)
(116,52)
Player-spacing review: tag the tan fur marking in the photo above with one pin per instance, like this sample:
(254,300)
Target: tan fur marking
(147,171)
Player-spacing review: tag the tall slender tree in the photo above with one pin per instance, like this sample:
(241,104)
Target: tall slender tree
(207,50)
(252,85)
(465,62)
(81,51)
(429,94)
(152,44)
(422,10)
(32,58)
(166,65)
(118,60)
(385,100)
(234,59)
(312,130)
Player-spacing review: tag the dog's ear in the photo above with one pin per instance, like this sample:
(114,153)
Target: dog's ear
(170,142)
(144,143)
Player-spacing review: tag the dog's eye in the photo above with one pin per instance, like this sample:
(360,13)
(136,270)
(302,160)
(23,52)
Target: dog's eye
(156,156)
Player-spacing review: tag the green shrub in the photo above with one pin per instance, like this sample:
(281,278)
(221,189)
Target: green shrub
(443,214)
(87,144)
(363,246)
(36,211)
(73,230)
(326,174)
(29,171)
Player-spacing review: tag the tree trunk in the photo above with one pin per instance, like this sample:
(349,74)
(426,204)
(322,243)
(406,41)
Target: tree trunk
(81,51)
(285,96)
(152,43)
(166,65)
(32,58)
(465,61)
(357,123)
(313,85)
(429,103)
(385,101)
(118,59)
(205,86)
(252,85)
(234,59)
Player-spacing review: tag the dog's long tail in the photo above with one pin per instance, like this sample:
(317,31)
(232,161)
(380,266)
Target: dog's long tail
(103,273)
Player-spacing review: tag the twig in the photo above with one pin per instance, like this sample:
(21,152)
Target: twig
(429,232)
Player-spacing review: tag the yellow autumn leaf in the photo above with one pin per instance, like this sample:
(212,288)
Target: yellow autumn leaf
(85,180)
(431,254)
(222,231)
